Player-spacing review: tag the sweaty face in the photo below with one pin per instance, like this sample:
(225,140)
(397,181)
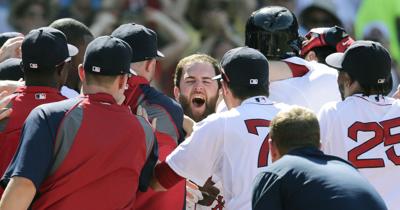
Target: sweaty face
(198,93)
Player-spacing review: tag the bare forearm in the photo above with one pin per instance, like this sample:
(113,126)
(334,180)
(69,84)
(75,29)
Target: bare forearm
(18,194)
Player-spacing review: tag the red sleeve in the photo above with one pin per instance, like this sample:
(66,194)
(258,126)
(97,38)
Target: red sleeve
(166,145)
(166,176)
(297,70)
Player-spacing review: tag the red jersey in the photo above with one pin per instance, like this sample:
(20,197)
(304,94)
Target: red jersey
(23,101)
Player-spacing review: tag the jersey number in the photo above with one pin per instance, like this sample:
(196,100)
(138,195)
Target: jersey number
(382,134)
(252,126)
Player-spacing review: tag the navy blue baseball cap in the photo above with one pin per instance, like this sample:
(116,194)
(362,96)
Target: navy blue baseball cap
(107,55)
(142,40)
(368,62)
(244,66)
(45,48)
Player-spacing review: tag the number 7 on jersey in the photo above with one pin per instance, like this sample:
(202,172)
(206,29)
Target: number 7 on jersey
(252,125)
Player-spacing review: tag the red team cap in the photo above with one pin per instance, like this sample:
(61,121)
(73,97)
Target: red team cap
(244,66)
(366,61)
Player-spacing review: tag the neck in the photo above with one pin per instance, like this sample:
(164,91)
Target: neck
(93,89)
(42,81)
(233,102)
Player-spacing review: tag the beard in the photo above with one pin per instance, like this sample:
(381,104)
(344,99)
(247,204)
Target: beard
(210,105)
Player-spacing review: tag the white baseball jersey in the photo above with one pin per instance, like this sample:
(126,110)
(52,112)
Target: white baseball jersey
(366,131)
(232,145)
(312,90)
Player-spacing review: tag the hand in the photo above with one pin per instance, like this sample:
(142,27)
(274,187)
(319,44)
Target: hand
(10,86)
(193,194)
(335,37)
(143,113)
(338,38)
(11,48)
(4,100)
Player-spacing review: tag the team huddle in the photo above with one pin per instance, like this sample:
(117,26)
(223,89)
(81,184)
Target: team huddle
(285,122)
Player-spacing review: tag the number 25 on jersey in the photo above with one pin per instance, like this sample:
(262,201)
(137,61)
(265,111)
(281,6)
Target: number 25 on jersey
(382,134)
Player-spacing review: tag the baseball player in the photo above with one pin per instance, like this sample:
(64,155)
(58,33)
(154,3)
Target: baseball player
(232,145)
(79,35)
(274,32)
(89,152)
(364,127)
(169,114)
(198,94)
(302,177)
(45,54)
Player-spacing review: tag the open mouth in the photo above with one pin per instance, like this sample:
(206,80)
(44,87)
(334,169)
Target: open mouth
(198,101)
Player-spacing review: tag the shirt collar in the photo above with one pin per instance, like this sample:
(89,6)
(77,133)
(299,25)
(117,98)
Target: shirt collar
(137,80)
(258,100)
(382,100)
(101,97)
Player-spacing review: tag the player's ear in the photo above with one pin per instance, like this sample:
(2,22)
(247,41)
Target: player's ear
(81,72)
(275,154)
(176,93)
(311,56)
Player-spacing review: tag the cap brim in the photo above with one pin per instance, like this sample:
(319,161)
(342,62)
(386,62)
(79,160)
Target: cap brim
(218,77)
(160,54)
(72,50)
(335,60)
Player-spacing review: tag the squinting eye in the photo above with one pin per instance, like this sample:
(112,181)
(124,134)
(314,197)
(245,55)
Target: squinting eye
(189,81)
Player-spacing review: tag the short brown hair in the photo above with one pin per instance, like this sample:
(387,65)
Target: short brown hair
(195,58)
(295,127)
(101,80)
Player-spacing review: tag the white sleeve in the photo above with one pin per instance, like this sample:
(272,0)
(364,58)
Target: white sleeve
(197,158)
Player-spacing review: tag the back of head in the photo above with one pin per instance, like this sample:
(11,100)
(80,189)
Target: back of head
(367,62)
(293,128)
(74,30)
(274,32)
(245,71)
(45,51)
(105,58)
(142,40)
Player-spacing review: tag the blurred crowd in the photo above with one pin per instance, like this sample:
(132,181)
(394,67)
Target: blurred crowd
(206,26)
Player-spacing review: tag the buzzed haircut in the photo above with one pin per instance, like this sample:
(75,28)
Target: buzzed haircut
(74,30)
(195,58)
(293,128)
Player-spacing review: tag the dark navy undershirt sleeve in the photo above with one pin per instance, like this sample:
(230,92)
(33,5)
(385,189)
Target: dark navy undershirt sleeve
(267,192)
(148,169)
(35,152)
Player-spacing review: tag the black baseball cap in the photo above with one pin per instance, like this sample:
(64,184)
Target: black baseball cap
(142,40)
(8,35)
(368,62)
(46,48)
(10,69)
(107,55)
(244,66)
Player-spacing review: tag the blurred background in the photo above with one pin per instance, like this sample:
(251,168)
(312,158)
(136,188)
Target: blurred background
(207,26)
